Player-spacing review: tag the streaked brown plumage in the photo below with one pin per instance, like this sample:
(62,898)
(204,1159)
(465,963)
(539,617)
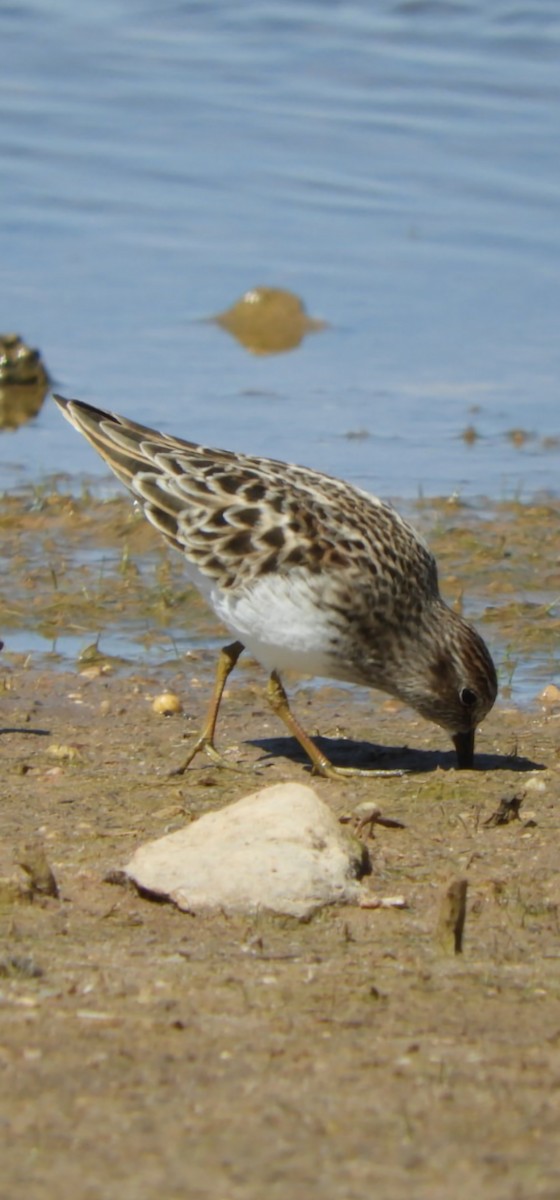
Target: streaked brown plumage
(308,572)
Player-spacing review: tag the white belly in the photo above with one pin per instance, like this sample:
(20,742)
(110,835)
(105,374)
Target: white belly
(280,620)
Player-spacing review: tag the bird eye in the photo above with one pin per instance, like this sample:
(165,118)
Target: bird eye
(468,697)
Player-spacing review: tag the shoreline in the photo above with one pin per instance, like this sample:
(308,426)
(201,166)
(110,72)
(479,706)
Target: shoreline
(81,572)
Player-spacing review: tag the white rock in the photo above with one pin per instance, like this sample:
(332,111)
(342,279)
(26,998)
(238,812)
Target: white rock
(278,850)
(534,784)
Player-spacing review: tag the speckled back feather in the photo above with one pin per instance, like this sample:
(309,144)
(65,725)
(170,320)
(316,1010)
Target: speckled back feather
(238,517)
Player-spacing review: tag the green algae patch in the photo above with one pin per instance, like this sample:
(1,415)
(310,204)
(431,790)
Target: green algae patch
(79,571)
(85,568)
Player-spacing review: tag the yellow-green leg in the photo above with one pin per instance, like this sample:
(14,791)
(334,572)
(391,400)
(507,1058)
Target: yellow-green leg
(205,740)
(278,701)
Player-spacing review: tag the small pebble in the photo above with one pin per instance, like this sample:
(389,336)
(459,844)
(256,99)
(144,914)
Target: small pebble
(32,859)
(550,695)
(534,784)
(167,704)
(63,752)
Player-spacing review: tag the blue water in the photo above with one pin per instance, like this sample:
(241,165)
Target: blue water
(396,164)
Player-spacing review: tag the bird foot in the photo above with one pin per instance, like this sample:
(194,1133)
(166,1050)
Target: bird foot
(328,770)
(219,760)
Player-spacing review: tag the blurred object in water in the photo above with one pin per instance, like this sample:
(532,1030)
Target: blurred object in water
(24,381)
(268,320)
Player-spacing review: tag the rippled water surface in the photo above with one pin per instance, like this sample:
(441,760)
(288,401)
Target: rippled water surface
(396,165)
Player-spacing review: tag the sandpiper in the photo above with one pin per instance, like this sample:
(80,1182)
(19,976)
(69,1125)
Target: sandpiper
(308,572)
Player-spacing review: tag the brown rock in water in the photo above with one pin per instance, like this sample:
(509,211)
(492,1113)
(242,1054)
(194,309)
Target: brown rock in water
(268,320)
(24,381)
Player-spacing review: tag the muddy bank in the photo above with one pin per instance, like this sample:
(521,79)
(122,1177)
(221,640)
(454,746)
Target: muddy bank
(79,571)
(147,1053)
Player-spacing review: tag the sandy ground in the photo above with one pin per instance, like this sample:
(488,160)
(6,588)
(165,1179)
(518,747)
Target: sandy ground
(145,1053)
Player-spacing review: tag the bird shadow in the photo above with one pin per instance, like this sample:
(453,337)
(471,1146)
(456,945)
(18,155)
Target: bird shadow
(343,752)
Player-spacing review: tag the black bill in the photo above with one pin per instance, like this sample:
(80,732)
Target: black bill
(464,745)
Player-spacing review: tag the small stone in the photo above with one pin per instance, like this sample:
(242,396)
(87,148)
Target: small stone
(167,704)
(550,695)
(64,753)
(32,859)
(14,891)
(368,814)
(534,784)
(19,966)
